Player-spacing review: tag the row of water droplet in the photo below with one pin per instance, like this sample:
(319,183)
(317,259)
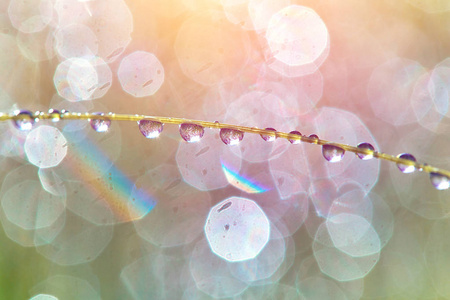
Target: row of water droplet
(190,132)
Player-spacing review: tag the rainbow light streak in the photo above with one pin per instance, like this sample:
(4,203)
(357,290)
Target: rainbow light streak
(114,188)
(242,183)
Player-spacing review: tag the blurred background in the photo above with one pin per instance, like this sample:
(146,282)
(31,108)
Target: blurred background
(116,215)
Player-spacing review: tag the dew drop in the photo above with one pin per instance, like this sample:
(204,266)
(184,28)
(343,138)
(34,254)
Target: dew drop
(100,125)
(55,115)
(314,136)
(63,111)
(150,129)
(231,136)
(295,141)
(406,168)
(365,146)
(191,133)
(269,137)
(23,120)
(332,153)
(440,181)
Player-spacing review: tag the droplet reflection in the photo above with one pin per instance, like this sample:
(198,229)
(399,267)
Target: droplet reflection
(231,136)
(332,153)
(365,146)
(406,168)
(295,141)
(269,137)
(23,120)
(55,115)
(100,125)
(150,129)
(439,181)
(191,133)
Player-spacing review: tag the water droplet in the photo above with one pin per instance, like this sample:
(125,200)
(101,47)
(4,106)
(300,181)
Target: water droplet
(406,168)
(150,129)
(332,153)
(191,132)
(315,137)
(365,146)
(231,136)
(23,120)
(100,125)
(55,115)
(63,111)
(294,141)
(269,137)
(440,181)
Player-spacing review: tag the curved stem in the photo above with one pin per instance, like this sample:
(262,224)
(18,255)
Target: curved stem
(253,130)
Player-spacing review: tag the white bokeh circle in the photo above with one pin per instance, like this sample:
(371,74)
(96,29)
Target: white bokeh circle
(237,229)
